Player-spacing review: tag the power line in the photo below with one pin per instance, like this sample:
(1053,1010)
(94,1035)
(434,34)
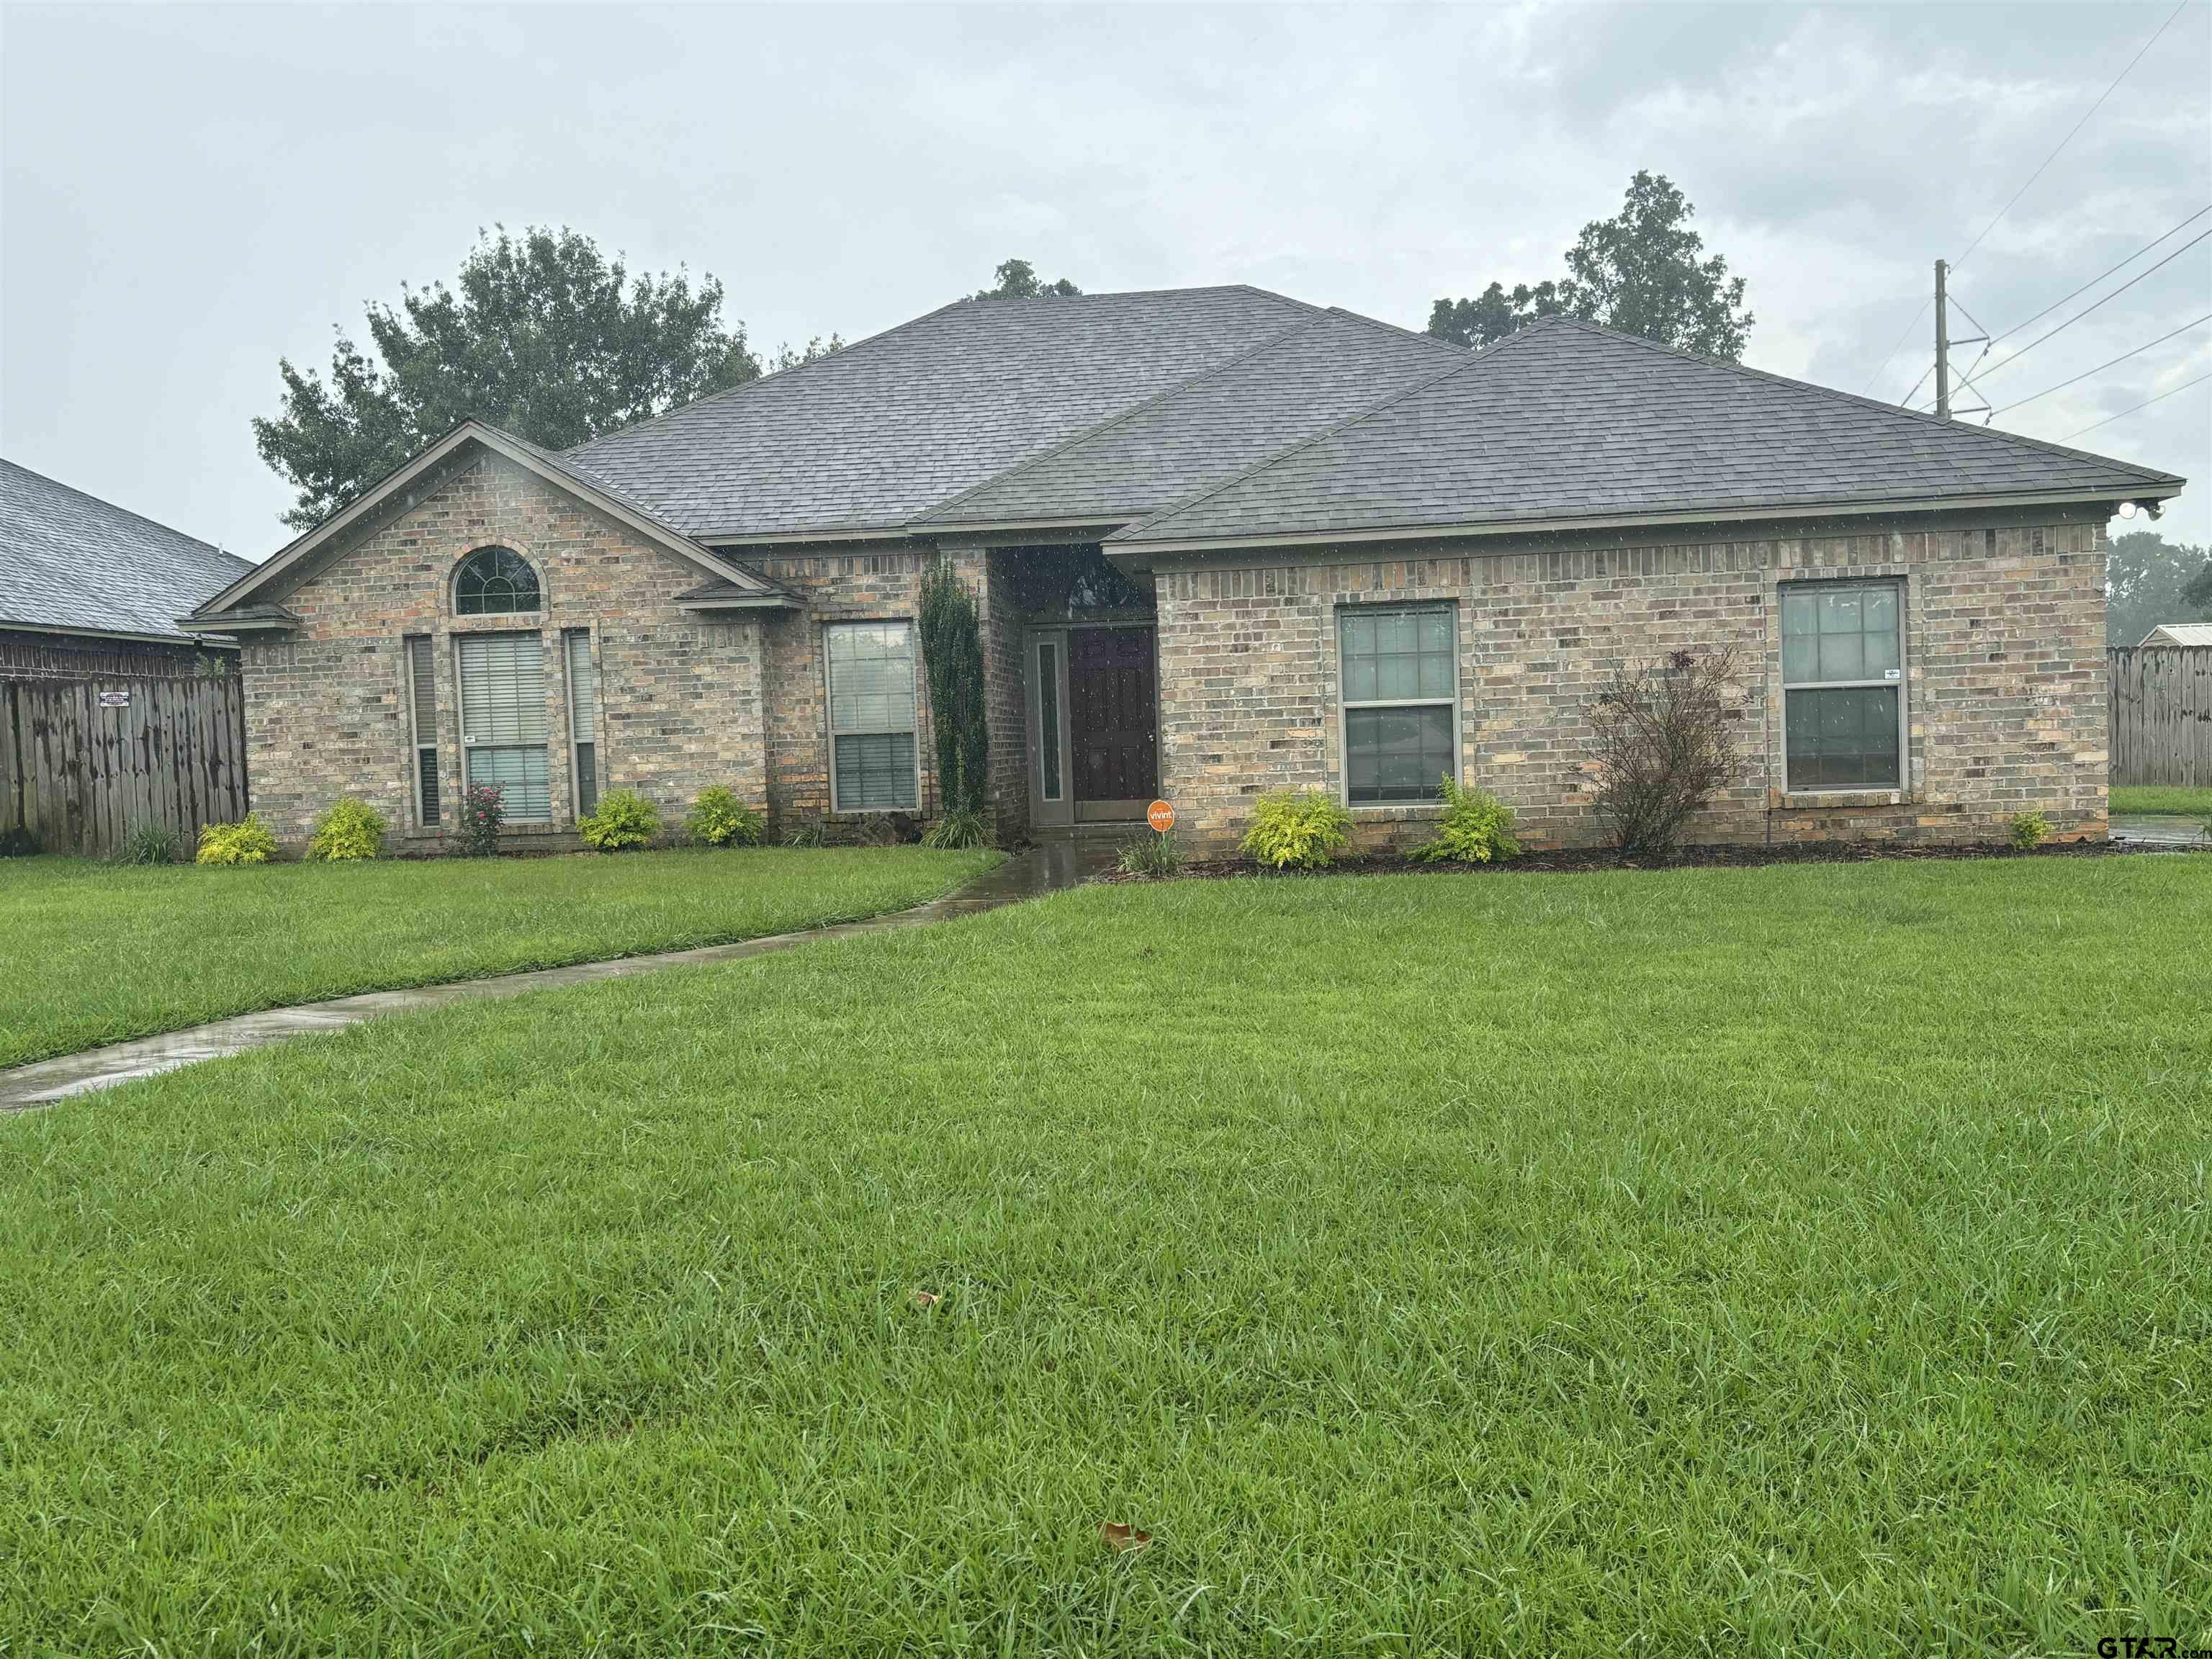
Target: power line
(2101,368)
(2085,310)
(2094,281)
(2031,178)
(2077,127)
(2145,403)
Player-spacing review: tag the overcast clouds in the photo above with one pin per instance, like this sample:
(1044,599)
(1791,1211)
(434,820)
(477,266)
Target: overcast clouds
(191,192)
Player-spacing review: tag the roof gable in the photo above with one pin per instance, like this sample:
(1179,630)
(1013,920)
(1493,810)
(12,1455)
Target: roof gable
(1567,422)
(266,582)
(72,561)
(864,439)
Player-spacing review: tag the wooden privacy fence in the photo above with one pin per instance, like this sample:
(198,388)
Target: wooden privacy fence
(86,758)
(2162,714)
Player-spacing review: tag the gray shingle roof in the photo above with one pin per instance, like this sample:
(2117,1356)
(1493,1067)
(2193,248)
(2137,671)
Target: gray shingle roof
(1566,421)
(71,560)
(1209,430)
(869,436)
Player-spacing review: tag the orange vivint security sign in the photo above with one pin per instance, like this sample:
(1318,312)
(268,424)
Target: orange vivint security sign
(1160,815)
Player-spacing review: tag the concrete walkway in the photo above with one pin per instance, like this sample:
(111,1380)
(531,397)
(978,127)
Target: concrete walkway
(1041,870)
(2140,830)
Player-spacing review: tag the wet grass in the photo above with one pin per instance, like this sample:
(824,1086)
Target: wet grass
(92,952)
(1803,1260)
(2161,799)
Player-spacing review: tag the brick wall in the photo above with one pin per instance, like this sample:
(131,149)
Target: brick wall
(2005,676)
(327,708)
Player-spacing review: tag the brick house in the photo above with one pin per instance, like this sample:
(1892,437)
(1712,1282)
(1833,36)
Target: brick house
(1222,542)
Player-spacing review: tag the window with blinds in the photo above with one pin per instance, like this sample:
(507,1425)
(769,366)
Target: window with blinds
(422,713)
(872,749)
(502,680)
(583,717)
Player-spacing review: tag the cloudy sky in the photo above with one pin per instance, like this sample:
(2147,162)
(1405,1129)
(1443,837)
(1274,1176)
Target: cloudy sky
(192,193)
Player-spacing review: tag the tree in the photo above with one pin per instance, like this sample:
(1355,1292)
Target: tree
(541,335)
(1662,745)
(2149,581)
(1638,271)
(1017,280)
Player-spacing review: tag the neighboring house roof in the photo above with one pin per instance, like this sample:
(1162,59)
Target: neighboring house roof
(72,562)
(1565,422)
(2179,634)
(867,437)
(728,584)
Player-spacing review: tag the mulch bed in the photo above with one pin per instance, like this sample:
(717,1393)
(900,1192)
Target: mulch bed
(1578,860)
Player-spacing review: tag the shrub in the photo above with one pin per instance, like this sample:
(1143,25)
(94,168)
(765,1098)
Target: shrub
(350,829)
(150,844)
(17,843)
(1477,827)
(962,829)
(483,810)
(1662,747)
(2029,830)
(953,660)
(1307,830)
(807,835)
(625,818)
(719,818)
(247,841)
(1153,855)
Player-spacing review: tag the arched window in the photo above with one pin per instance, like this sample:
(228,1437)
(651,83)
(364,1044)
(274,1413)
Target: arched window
(494,581)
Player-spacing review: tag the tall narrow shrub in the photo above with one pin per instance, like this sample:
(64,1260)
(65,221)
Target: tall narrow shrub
(952,656)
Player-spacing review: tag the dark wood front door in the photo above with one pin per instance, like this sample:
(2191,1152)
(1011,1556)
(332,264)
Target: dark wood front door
(1113,724)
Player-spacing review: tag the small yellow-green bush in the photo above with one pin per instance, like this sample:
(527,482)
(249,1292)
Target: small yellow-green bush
(719,818)
(625,818)
(350,829)
(247,841)
(1477,827)
(2030,831)
(1305,830)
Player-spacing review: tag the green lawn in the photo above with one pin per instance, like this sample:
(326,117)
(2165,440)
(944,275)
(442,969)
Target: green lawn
(2190,803)
(1803,1260)
(93,952)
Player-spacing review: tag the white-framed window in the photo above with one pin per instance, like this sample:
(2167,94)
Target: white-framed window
(874,766)
(1843,686)
(1399,678)
(502,680)
(583,717)
(422,719)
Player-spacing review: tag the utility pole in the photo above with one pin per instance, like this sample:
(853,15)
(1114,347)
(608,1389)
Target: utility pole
(1943,347)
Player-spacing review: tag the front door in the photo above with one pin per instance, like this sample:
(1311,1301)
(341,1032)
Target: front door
(1112,722)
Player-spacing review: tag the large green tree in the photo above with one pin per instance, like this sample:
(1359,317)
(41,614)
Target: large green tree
(540,334)
(2149,581)
(1017,280)
(1640,271)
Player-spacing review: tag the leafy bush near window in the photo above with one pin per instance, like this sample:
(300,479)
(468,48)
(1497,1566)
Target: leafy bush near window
(1661,732)
(1150,855)
(1477,827)
(719,818)
(1304,831)
(247,841)
(150,844)
(350,829)
(962,829)
(2029,830)
(625,818)
(483,810)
